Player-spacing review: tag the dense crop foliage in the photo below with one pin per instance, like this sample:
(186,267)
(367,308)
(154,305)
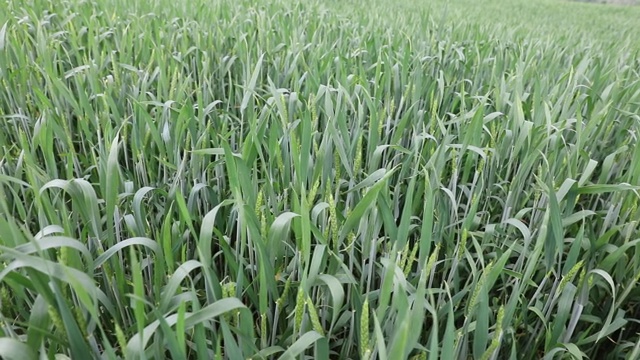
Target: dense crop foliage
(325,179)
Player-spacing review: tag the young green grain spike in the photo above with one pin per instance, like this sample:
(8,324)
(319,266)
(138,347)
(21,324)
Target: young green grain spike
(313,315)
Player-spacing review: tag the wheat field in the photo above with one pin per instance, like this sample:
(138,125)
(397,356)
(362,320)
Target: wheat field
(319,180)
